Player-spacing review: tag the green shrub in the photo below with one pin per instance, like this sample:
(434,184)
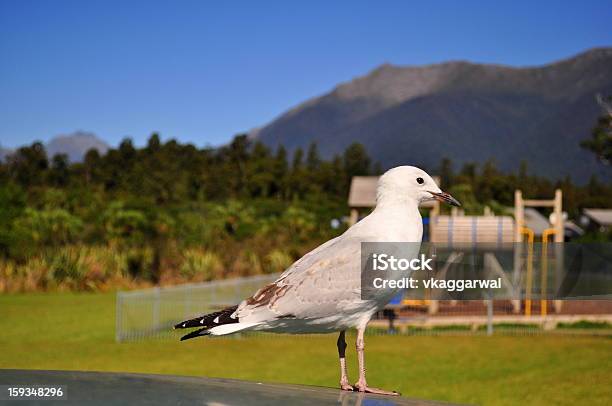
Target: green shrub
(48,226)
(277,261)
(585,324)
(201,264)
(234,219)
(299,223)
(67,265)
(123,225)
(139,262)
(512,326)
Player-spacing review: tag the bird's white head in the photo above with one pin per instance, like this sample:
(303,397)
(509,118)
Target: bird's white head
(409,185)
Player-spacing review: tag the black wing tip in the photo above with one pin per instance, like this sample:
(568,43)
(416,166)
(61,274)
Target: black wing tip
(210,320)
(194,334)
(189,323)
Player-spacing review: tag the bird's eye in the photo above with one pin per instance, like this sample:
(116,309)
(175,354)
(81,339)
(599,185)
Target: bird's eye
(420,181)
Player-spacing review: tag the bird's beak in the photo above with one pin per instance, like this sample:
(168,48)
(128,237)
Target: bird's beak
(445,198)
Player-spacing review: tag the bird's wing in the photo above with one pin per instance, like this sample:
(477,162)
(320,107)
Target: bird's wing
(322,283)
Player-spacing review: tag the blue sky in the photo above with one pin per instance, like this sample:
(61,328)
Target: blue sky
(202,72)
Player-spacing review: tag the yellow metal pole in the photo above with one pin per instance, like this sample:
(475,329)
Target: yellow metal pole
(530,238)
(543,303)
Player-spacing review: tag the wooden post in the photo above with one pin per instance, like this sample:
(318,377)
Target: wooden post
(354,216)
(518,223)
(519,215)
(432,307)
(433,219)
(529,276)
(559,237)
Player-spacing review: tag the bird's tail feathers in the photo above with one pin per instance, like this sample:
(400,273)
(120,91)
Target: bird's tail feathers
(230,328)
(196,333)
(211,320)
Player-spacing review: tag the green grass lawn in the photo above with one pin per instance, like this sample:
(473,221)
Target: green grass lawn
(76,331)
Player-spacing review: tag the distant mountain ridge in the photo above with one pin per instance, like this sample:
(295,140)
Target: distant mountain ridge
(460,110)
(75,145)
(4,152)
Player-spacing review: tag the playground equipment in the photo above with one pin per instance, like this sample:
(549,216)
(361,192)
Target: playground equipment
(555,204)
(557,232)
(470,229)
(518,231)
(489,228)
(499,230)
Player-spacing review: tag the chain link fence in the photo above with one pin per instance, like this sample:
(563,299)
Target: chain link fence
(486,317)
(151,313)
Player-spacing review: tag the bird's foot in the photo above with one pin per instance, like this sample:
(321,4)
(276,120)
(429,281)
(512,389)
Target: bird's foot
(344,385)
(363,387)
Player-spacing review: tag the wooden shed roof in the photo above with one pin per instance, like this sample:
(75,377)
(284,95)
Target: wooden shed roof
(600,216)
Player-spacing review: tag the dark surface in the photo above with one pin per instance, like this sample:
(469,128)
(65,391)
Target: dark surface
(118,388)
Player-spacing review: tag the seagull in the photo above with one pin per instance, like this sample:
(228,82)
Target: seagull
(321,292)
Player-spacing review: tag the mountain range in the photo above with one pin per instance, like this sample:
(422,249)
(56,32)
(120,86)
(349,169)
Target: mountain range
(74,145)
(464,111)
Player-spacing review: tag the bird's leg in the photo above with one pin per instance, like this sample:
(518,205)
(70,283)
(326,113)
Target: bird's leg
(344,382)
(362,385)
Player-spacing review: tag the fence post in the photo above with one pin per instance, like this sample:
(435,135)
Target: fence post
(490,315)
(156,309)
(118,317)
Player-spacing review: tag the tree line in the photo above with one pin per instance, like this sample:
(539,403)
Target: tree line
(171,172)
(169,211)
